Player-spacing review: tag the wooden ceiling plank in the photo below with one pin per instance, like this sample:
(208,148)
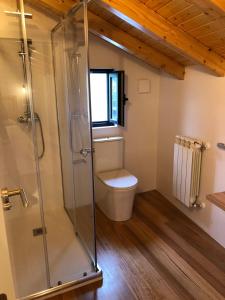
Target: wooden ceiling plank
(214,8)
(156,4)
(151,23)
(172,8)
(196,22)
(60,5)
(132,45)
(208,29)
(57,7)
(185,15)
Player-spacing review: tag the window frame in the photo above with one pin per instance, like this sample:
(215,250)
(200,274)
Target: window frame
(109,104)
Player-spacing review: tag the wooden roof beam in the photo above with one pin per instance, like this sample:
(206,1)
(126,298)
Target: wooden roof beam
(131,45)
(143,18)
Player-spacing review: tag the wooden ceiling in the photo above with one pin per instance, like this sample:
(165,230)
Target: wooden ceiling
(167,34)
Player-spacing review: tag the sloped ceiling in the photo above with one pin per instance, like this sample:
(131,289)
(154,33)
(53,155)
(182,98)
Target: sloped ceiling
(167,34)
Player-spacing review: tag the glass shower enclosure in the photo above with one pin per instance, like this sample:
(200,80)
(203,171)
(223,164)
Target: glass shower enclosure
(70,53)
(47,223)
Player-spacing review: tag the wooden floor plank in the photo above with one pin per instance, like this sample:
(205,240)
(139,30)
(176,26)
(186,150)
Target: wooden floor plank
(153,218)
(132,264)
(181,270)
(158,254)
(187,229)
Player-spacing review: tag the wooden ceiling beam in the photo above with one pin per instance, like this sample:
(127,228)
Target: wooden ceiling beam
(220,4)
(131,45)
(146,20)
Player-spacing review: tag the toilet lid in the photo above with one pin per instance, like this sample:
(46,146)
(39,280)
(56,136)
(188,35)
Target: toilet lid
(119,179)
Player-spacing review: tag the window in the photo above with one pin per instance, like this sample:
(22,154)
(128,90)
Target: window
(107,97)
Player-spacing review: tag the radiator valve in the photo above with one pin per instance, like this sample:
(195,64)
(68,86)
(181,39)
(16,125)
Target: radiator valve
(199,205)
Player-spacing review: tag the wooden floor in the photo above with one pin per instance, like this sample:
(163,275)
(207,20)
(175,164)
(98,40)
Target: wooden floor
(158,254)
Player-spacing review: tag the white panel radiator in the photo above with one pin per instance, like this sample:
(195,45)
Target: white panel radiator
(187,169)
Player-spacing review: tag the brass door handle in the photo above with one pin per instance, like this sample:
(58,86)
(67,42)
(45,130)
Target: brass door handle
(6,195)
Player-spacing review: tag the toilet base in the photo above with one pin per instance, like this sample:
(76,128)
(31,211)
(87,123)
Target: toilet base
(116,204)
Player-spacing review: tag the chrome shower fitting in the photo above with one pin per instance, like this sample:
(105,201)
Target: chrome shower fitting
(26,117)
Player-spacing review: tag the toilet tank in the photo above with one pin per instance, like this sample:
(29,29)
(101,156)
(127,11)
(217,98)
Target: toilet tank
(108,153)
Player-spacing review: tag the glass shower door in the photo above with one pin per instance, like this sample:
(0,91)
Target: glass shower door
(20,213)
(70,46)
(37,238)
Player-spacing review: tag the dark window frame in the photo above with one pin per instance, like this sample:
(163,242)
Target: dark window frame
(121,96)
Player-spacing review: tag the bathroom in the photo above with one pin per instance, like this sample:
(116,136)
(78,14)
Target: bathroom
(36,155)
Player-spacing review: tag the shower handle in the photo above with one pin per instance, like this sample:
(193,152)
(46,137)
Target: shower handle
(6,195)
(85,151)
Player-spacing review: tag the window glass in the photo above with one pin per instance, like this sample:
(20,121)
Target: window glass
(114,96)
(99,97)
(107,97)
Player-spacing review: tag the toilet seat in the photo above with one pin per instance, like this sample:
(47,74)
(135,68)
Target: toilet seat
(118,179)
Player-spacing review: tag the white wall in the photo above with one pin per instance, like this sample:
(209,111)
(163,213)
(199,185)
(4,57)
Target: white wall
(141,111)
(194,107)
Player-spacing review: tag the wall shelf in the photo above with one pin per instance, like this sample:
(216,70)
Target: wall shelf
(218,199)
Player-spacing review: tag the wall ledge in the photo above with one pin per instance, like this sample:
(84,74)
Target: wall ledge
(218,199)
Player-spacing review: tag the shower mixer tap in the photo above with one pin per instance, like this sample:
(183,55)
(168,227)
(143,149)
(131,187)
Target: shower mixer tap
(26,118)
(85,151)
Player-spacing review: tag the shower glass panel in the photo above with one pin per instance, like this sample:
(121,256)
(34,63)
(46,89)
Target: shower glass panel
(21,210)
(67,258)
(46,179)
(70,46)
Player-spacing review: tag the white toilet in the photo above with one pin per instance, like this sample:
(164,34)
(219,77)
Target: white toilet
(115,187)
